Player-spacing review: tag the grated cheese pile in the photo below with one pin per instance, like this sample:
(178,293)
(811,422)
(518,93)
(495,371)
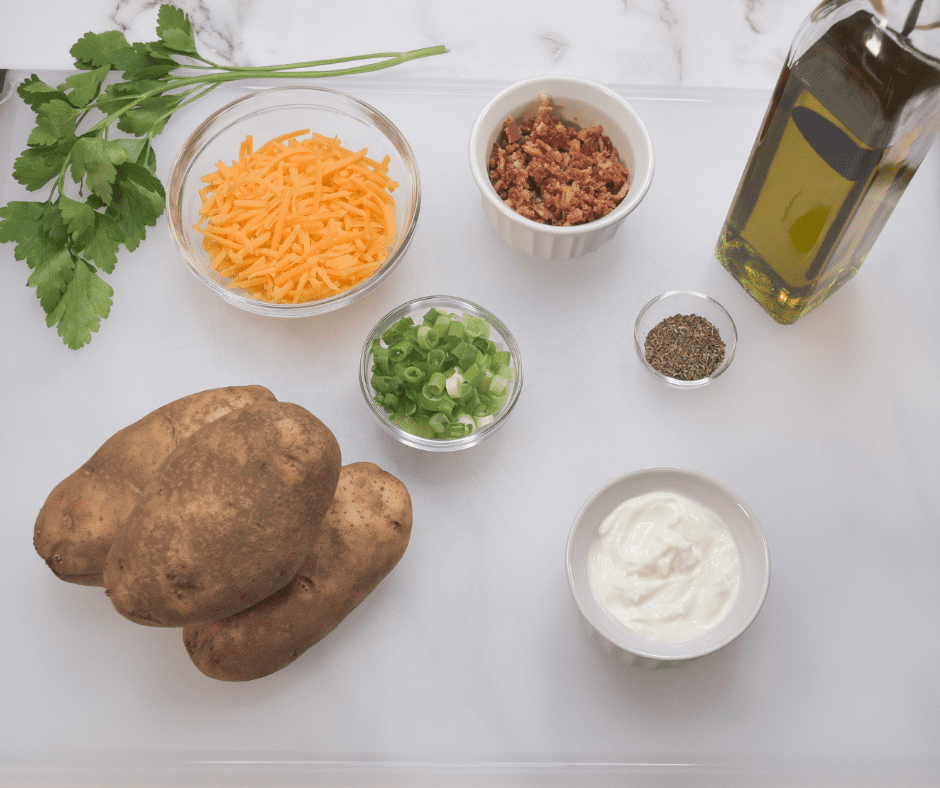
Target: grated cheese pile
(298,220)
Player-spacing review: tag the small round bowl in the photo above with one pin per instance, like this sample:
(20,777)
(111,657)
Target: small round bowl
(416,309)
(266,114)
(685,302)
(739,519)
(585,104)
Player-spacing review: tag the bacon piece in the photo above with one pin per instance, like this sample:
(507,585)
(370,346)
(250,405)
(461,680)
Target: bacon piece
(555,174)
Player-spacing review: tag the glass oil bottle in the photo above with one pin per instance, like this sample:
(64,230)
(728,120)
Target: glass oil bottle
(853,114)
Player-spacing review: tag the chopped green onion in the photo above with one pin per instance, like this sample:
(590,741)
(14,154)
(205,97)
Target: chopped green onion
(453,384)
(443,378)
(391,336)
(436,360)
(465,354)
(380,357)
(427,337)
(498,384)
(469,397)
(472,374)
(439,423)
(412,374)
(400,351)
(455,330)
(475,326)
(415,427)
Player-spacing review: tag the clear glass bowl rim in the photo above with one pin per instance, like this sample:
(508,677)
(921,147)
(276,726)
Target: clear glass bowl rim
(234,112)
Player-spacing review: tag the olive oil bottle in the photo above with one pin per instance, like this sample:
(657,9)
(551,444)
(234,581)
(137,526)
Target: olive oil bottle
(852,116)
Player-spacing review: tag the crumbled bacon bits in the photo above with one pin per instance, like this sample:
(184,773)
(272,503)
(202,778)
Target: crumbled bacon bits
(554,174)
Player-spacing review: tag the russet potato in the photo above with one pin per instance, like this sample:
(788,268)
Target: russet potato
(361,538)
(79,520)
(227,519)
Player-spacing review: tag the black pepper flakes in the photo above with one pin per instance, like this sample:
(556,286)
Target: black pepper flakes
(684,347)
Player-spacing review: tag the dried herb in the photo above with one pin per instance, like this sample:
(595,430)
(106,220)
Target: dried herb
(684,347)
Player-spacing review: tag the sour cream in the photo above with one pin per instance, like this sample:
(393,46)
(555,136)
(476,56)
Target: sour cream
(665,567)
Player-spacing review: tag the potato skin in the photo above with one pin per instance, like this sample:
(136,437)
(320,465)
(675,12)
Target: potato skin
(361,539)
(227,519)
(78,521)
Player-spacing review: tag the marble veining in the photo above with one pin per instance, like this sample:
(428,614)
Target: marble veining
(711,43)
(471,657)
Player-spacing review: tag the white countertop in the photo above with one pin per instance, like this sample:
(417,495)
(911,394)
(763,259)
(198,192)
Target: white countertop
(469,665)
(712,43)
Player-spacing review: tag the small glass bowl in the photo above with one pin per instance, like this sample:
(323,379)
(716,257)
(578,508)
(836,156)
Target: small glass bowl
(416,309)
(746,531)
(266,114)
(685,302)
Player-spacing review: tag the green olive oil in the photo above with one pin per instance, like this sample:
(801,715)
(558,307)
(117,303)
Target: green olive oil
(849,122)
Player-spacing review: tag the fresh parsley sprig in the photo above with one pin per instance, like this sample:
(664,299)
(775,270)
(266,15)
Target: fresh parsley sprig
(67,241)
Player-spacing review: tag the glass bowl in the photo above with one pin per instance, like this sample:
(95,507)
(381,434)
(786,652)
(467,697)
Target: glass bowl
(266,114)
(753,555)
(416,310)
(685,302)
(585,104)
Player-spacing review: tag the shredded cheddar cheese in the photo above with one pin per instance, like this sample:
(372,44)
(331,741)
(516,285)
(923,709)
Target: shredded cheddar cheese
(297,220)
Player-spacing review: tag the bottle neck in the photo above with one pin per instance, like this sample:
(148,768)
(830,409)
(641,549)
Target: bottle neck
(894,17)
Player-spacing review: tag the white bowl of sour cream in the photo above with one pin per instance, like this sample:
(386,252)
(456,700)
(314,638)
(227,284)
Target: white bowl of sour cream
(667,564)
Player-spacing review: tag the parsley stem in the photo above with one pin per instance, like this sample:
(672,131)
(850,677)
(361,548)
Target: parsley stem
(231,74)
(388,59)
(191,98)
(223,74)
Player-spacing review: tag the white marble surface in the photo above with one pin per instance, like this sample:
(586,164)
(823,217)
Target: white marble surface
(469,665)
(712,43)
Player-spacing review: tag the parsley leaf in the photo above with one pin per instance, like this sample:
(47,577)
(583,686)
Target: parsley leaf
(139,201)
(85,300)
(34,167)
(82,88)
(55,123)
(150,115)
(139,62)
(175,31)
(79,219)
(102,247)
(51,279)
(35,227)
(95,160)
(35,92)
(99,49)
(141,152)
